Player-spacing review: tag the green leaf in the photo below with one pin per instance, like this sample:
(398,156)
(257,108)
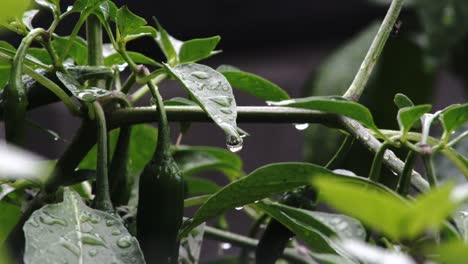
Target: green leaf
(384,211)
(78,51)
(262,183)
(169,45)
(178,101)
(13,10)
(40,54)
(74,233)
(450,252)
(85,5)
(254,85)
(9,217)
(127,22)
(334,105)
(192,160)
(198,186)
(214,94)
(197,49)
(84,94)
(402,101)
(53,5)
(309,229)
(408,116)
(445,23)
(5,65)
(142,145)
(116,59)
(452,118)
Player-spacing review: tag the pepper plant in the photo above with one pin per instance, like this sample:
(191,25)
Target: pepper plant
(118,192)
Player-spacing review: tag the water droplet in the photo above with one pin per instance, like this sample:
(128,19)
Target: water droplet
(152,101)
(86,228)
(95,219)
(301,126)
(226,111)
(200,86)
(239,208)
(386,156)
(222,100)
(269,103)
(92,239)
(33,222)
(124,242)
(335,221)
(225,246)
(48,219)
(92,252)
(87,96)
(366,137)
(257,201)
(200,74)
(234,144)
(341,226)
(70,246)
(110,222)
(116,232)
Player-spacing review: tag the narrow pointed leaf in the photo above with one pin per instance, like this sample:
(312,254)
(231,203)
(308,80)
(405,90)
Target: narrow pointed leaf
(83,94)
(74,233)
(213,93)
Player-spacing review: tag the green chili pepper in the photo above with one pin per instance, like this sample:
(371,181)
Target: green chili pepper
(161,198)
(276,236)
(118,181)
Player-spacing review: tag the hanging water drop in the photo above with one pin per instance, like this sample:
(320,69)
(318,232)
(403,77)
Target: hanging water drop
(200,75)
(239,208)
(124,242)
(301,126)
(234,144)
(225,246)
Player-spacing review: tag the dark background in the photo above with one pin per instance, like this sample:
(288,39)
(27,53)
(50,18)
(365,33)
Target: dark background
(283,41)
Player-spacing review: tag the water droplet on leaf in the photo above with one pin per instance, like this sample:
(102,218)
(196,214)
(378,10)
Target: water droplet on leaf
(124,242)
(234,144)
(87,96)
(92,252)
(116,232)
(51,220)
(200,74)
(301,126)
(222,100)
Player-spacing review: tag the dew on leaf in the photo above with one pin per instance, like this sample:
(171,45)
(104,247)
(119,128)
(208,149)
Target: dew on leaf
(222,100)
(51,220)
(200,74)
(124,242)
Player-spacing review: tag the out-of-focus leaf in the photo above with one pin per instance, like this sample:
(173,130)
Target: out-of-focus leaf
(445,22)
(9,217)
(74,233)
(372,254)
(28,17)
(253,84)
(198,186)
(13,10)
(197,49)
(142,144)
(214,94)
(5,64)
(408,116)
(388,213)
(78,51)
(53,5)
(451,252)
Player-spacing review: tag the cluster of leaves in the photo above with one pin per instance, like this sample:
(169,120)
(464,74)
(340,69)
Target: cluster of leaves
(378,224)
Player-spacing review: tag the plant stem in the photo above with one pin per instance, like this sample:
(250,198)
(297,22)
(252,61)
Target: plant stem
(128,83)
(94,38)
(380,155)
(458,139)
(405,178)
(368,140)
(136,96)
(102,200)
(356,89)
(430,172)
(15,96)
(247,242)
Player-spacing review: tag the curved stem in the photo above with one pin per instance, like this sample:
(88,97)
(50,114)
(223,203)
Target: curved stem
(102,200)
(15,97)
(357,87)
(380,155)
(405,179)
(344,148)
(128,83)
(136,96)
(94,38)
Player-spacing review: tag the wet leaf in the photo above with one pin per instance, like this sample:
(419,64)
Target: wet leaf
(78,50)
(372,254)
(28,17)
(452,118)
(74,233)
(53,5)
(190,246)
(84,94)
(214,94)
